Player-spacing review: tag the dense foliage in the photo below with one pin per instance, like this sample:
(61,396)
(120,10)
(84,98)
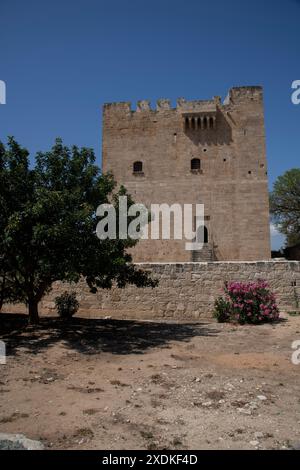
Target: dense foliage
(66,305)
(285,205)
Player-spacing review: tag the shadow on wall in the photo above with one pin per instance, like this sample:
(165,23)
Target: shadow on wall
(93,336)
(221,135)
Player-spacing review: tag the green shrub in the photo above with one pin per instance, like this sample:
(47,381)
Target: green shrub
(294,313)
(67,305)
(222,310)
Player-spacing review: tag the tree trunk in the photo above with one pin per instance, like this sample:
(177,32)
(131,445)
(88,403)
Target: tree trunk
(33,312)
(2,293)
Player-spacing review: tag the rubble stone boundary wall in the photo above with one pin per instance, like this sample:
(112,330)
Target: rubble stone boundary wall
(185,290)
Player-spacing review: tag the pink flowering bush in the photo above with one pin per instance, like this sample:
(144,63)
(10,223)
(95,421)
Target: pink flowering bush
(247,302)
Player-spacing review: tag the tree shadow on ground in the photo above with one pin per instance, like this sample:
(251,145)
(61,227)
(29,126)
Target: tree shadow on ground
(93,336)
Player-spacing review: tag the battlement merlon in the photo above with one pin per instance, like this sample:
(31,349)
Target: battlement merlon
(123,107)
(243,94)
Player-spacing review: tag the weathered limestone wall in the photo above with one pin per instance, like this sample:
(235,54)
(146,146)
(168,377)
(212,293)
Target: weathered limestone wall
(185,290)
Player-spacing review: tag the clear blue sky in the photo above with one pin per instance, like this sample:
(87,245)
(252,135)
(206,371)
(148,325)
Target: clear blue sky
(61,60)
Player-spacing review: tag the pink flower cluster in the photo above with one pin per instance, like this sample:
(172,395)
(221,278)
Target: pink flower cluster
(246,287)
(250,302)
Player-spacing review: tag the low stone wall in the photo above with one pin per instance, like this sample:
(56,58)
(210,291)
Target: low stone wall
(185,290)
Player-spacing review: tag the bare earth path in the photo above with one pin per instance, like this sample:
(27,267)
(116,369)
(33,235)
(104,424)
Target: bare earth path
(116,384)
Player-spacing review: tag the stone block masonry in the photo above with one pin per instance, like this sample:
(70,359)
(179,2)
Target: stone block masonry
(185,290)
(201,152)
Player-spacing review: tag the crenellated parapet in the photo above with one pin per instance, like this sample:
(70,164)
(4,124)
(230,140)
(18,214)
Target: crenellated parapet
(142,106)
(183,106)
(163,104)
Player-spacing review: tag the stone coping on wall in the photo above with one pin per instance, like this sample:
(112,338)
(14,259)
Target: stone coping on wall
(217,262)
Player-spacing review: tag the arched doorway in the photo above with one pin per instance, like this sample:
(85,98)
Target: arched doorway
(205,240)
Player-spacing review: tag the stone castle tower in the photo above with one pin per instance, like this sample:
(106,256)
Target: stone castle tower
(204,152)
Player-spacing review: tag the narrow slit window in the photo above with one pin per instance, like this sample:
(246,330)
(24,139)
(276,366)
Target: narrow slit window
(138,167)
(195,164)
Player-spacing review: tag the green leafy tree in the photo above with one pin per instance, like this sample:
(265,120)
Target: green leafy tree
(285,205)
(48,225)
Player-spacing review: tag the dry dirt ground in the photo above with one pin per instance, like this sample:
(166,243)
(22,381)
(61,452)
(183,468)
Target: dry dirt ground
(121,384)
